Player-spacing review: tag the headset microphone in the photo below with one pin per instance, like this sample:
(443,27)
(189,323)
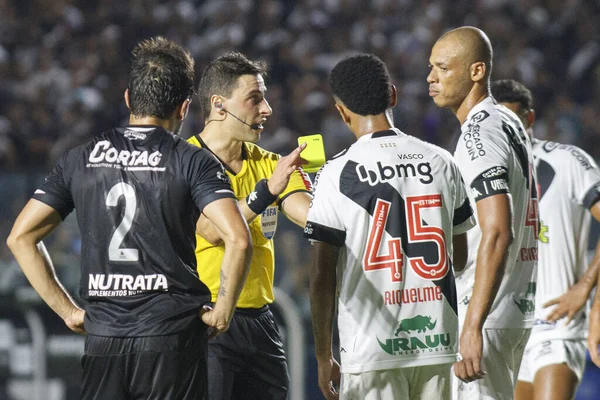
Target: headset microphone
(253,126)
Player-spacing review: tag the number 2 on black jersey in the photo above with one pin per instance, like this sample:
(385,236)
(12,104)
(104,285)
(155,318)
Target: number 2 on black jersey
(115,253)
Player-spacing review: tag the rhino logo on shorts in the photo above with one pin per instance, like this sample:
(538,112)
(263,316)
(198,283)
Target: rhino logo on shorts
(420,323)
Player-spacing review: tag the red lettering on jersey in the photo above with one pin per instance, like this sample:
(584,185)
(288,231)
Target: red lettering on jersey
(412,295)
(529,254)
(388,299)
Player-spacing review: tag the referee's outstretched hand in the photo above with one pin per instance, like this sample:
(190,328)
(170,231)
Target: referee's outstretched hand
(75,321)
(217,322)
(284,168)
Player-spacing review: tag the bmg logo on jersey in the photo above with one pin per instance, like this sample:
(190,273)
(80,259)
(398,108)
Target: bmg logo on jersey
(385,173)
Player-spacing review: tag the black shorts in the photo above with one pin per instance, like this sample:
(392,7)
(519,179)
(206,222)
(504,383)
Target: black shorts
(170,367)
(248,362)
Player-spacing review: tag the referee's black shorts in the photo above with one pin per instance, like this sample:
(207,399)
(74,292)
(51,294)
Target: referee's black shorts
(170,367)
(248,362)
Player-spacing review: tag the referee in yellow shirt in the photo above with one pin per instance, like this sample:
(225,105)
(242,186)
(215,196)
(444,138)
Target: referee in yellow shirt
(247,361)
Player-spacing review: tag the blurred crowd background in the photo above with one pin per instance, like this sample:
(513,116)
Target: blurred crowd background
(64,64)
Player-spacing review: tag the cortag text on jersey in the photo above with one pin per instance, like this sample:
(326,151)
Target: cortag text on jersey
(104,154)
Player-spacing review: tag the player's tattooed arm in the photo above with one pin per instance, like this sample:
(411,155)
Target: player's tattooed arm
(222,290)
(226,216)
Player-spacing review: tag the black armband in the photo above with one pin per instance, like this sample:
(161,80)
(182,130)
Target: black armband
(260,198)
(592,196)
(490,182)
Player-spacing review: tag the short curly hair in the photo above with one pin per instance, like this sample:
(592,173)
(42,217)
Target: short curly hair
(511,91)
(362,83)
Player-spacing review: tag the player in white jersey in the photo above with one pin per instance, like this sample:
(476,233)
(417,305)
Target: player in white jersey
(497,288)
(388,220)
(569,182)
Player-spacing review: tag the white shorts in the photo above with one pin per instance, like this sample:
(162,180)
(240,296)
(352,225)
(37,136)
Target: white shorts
(502,353)
(416,383)
(557,351)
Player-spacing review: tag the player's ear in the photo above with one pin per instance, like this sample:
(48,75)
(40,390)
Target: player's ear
(126,97)
(530,118)
(216,103)
(478,71)
(343,113)
(185,108)
(394,99)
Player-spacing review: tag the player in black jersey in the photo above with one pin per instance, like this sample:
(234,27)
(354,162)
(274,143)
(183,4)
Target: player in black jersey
(138,192)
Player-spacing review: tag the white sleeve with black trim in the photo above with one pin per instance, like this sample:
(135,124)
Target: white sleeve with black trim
(323,222)
(586,178)
(481,156)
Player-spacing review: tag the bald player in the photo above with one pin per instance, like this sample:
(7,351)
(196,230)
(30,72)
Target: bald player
(497,287)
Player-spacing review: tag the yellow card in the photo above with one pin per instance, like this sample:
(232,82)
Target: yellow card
(314,152)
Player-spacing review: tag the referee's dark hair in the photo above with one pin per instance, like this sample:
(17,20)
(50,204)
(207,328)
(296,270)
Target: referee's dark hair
(362,83)
(511,91)
(161,78)
(220,77)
